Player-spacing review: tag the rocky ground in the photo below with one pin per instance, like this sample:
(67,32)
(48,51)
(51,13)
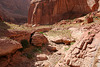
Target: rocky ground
(69,43)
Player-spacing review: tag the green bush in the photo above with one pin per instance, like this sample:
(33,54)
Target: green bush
(72,43)
(29,56)
(24,43)
(37,49)
(89,33)
(66,48)
(41,32)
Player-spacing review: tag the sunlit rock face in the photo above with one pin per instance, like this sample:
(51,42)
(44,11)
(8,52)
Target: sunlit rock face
(52,11)
(14,10)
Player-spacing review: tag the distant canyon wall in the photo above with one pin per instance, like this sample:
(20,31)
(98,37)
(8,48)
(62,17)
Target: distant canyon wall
(14,10)
(52,11)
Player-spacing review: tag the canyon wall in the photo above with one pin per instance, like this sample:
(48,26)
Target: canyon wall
(52,11)
(14,10)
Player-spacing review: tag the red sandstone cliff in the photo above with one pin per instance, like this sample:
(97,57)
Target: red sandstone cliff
(14,10)
(51,11)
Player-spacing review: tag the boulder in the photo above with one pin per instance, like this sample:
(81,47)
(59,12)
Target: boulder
(42,57)
(58,41)
(39,39)
(8,46)
(51,49)
(62,41)
(67,41)
(89,19)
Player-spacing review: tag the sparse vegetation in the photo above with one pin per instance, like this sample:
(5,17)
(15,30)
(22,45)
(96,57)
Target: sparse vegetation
(62,33)
(29,56)
(95,17)
(18,27)
(66,48)
(37,49)
(68,20)
(72,43)
(41,32)
(5,27)
(89,33)
(44,26)
(24,43)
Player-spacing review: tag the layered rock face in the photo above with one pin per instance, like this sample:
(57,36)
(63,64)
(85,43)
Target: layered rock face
(83,52)
(8,46)
(51,11)
(14,10)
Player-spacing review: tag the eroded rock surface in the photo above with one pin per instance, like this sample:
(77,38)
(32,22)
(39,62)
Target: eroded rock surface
(8,46)
(19,35)
(51,11)
(82,53)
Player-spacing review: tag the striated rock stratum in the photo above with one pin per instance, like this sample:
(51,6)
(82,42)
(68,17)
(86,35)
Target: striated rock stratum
(51,11)
(8,46)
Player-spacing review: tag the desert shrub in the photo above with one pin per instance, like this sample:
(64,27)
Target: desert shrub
(28,55)
(24,43)
(41,32)
(69,46)
(89,33)
(67,20)
(37,49)
(95,17)
(66,48)
(72,43)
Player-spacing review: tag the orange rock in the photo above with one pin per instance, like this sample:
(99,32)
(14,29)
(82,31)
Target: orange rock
(89,19)
(58,41)
(50,48)
(82,23)
(62,41)
(42,57)
(67,42)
